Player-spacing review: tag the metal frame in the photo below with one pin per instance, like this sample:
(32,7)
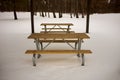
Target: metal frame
(82,55)
(54,40)
(34,55)
(79,47)
(42,48)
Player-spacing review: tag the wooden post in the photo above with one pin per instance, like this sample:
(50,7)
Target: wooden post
(88,15)
(32,16)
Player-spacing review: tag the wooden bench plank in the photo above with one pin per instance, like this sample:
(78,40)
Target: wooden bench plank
(58,51)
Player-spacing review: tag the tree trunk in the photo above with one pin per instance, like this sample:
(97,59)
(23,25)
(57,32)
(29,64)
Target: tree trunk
(42,8)
(15,14)
(88,15)
(60,8)
(32,16)
(82,7)
(76,10)
(48,7)
(70,9)
(54,14)
(54,8)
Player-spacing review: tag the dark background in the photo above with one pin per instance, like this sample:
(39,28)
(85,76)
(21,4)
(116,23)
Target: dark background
(63,6)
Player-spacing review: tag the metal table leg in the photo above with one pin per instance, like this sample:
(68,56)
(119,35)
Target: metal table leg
(41,45)
(68,28)
(79,46)
(37,47)
(75,45)
(45,28)
(33,59)
(83,60)
(34,55)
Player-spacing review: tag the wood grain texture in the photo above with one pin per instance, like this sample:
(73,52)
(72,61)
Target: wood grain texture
(63,24)
(58,51)
(59,36)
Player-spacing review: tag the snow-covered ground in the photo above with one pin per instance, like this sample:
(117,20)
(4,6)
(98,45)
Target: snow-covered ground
(102,64)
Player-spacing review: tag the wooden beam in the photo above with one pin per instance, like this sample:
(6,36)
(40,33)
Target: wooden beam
(88,16)
(32,16)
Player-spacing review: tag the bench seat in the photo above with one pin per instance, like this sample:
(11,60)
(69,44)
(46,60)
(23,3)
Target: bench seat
(34,52)
(58,51)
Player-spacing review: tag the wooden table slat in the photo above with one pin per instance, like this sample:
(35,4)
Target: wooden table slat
(70,24)
(59,36)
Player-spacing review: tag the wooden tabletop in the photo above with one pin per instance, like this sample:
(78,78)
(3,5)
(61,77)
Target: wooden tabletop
(57,32)
(64,24)
(59,36)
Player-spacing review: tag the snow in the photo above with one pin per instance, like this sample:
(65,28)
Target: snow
(102,64)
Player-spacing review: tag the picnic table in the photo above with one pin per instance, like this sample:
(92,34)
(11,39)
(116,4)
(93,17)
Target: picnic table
(53,37)
(56,26)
